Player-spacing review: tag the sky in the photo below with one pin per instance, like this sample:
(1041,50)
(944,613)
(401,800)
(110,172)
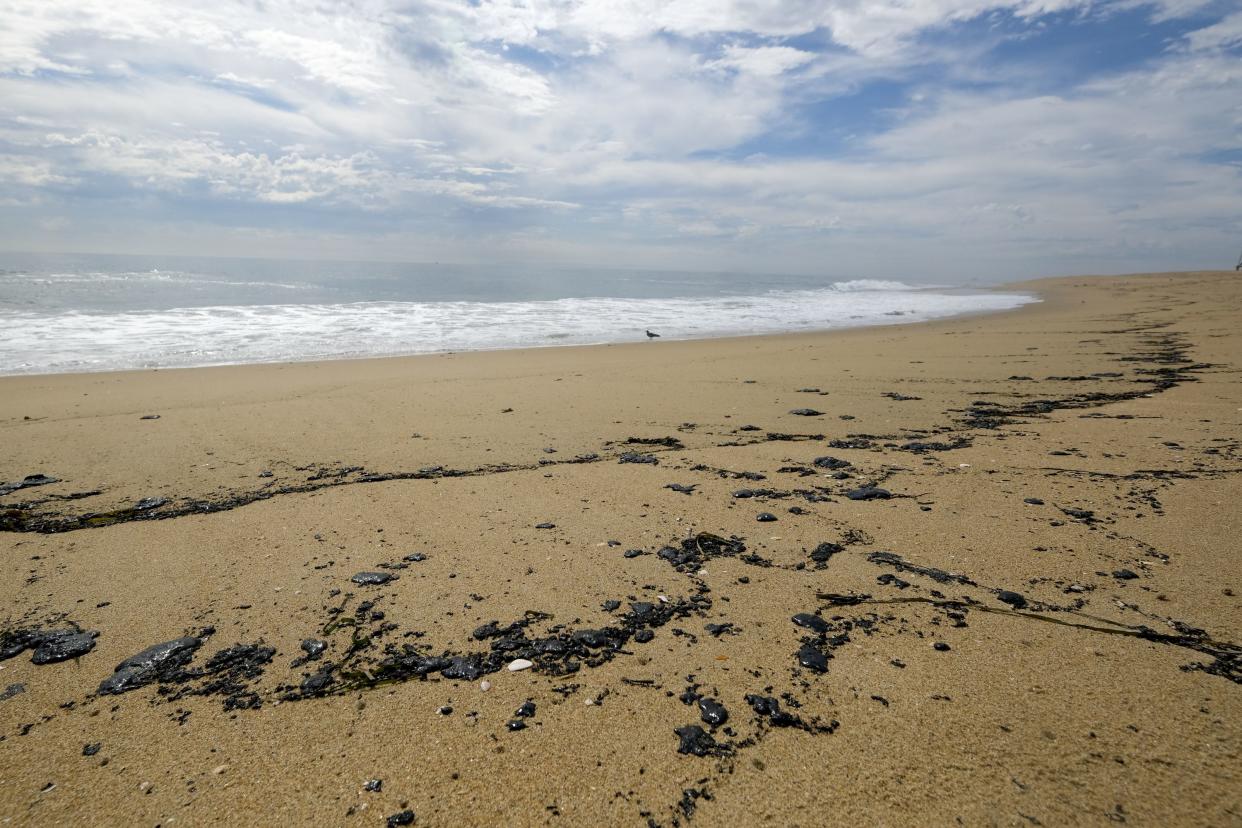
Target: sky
(979,139)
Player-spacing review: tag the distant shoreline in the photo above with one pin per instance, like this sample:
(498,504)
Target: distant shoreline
(891,319)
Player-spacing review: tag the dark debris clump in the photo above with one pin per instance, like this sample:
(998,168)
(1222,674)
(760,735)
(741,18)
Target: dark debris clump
(48,646)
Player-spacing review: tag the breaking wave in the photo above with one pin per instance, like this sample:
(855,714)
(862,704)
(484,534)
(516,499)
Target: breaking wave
(43,341)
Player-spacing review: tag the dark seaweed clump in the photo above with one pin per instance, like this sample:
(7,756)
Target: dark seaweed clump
(560,651)
(768,711)
(901,565)
(48,646)
(822,553)
(26,482)
(694,552)
(636,457)
(159,662)
(229,673)
(666,442)
(695,741)
(929,446)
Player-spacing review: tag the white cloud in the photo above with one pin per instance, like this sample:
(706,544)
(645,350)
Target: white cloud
(29,171)
(764,61)
(1220,35)
(620,120)
(354,67)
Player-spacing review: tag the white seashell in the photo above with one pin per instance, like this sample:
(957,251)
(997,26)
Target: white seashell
(520,664)
(485,685)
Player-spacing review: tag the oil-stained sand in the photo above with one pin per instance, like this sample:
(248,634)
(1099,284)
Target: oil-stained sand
(994,579)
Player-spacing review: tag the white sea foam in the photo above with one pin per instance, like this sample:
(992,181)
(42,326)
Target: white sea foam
(873,284)
(75,341)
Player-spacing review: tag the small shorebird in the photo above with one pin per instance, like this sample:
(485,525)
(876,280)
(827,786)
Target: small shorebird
(651,335)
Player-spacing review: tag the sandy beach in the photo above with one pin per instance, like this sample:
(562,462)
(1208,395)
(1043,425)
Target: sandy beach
(979,571)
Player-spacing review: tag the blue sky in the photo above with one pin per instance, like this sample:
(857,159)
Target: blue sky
(984,139)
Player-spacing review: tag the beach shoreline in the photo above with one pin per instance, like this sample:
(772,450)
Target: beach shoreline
(142,333)
(1004,539)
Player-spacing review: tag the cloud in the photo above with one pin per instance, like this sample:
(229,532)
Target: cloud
(1224,34)
(764,61)
(756,135)
(29,171)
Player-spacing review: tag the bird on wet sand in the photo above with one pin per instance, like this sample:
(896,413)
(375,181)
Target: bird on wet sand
(651,335)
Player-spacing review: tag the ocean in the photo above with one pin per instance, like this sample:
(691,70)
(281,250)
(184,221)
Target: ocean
(77,313)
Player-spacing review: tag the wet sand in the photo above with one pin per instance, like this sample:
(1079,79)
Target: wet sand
(1034,621)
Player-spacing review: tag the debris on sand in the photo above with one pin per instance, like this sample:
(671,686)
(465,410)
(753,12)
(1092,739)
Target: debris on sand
(48,646)
(372,578)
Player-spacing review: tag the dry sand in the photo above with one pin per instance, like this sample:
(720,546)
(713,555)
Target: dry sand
(1086,698)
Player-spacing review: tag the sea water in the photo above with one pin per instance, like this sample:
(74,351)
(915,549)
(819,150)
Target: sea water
(105,313)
